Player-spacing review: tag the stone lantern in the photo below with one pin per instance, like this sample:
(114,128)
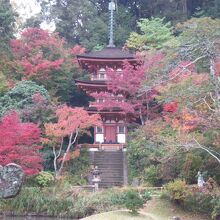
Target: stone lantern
(96,179)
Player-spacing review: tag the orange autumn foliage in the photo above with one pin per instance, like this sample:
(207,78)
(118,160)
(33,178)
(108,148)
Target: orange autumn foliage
(185,121)
(69,121)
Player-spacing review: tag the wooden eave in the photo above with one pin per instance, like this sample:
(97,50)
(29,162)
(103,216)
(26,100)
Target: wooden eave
(91,83)
(84,61)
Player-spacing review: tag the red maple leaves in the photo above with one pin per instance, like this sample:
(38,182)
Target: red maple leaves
(38,53)
(19,144)
(170,107)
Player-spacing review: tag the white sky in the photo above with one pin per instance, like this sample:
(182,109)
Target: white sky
(28,8)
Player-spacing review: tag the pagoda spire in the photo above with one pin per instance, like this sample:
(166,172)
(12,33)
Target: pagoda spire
(112,8)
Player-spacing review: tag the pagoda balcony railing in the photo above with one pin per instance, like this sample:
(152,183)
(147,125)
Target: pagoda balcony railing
(98,103)
(99,78)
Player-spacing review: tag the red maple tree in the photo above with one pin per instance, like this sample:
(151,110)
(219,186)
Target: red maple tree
(19,144)
(71,122)
(38,53)
(125,89)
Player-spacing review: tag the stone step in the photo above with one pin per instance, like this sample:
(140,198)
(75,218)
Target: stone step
(110,164)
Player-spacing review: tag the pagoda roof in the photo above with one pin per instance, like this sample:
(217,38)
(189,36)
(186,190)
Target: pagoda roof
(91,85)
(89,82)
(108,53)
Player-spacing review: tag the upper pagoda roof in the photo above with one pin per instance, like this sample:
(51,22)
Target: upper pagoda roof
(108,53)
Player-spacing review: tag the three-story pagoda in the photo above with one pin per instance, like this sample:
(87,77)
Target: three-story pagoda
(113,131)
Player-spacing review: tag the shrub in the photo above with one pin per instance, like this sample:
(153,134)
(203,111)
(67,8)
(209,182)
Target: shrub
(152,175)
(38,201)
(146,196)
(90,203)
(177,190)
(59,202)
(133,201)
(216,208)
(199,202)
(192,164)
(44,179)
(117,199)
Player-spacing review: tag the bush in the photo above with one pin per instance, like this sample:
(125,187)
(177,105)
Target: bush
(146,196)
(177,190)
(133,201)
(44,179)
(38,201)
(199,202)
(152,175)
(216,208)
(60,202)
(192,164)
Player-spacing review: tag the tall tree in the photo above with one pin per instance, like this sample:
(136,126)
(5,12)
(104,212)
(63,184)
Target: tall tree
(127,92)
(200,41)
(7,22)
(44,58)
(79,21)
(154,33)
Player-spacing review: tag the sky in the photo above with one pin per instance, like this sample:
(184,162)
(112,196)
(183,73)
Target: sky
(28,8)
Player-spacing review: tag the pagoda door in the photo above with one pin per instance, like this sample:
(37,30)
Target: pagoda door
(110,134)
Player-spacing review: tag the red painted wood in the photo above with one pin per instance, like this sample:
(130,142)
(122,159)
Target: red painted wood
(110,133)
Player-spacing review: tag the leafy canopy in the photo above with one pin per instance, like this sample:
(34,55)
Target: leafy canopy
(19,144)
(154,33)
(22,96)
(44,58)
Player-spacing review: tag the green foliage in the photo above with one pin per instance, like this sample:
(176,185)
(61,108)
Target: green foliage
(44,179)
(177,190)
(198,37)
(91,203)
(21,96)
(79,168)
(152,175)
(142,153)
(35,200)
(199,202)
(92,27)
(155,32)
(7,23)
(133,201)
(59,201)
(3,84)
(146,195)
(216,208)
(192,164)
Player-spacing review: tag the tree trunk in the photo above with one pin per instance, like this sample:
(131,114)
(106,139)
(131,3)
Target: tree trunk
(71,142)
(215,83)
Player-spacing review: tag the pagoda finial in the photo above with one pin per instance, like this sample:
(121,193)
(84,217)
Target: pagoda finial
(112,8)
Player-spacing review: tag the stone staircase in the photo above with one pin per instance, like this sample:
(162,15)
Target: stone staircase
(113,167)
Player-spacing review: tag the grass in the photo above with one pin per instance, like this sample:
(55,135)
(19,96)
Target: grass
(156,209)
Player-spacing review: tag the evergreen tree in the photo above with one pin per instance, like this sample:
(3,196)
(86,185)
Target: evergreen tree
(7,22)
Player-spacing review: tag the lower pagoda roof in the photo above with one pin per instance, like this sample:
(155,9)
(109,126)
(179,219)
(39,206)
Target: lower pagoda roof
(91,85)
(91,82)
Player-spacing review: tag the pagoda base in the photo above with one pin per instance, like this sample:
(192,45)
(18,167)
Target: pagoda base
(103,147)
